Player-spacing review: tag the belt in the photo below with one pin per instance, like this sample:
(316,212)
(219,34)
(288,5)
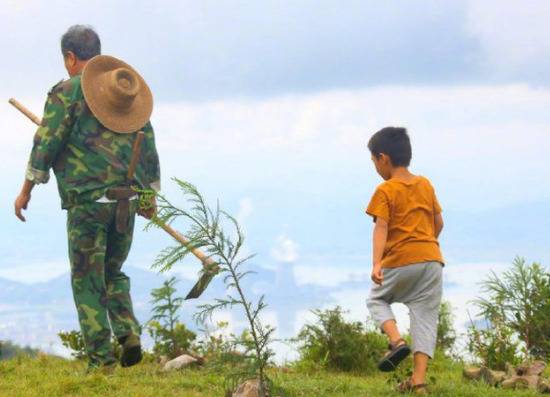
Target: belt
(122,196)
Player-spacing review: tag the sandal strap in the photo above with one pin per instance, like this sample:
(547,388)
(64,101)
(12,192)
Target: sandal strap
(407,385)
(393,345)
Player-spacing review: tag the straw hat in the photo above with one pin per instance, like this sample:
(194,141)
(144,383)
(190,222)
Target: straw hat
(116,94)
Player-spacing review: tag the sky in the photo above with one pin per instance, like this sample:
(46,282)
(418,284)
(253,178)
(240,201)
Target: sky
(268,106)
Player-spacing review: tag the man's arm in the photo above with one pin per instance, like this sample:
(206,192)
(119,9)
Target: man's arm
(48,141)
(151,164)
(379,238)
(22,201)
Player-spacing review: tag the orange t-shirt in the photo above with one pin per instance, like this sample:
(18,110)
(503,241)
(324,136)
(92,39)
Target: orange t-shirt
(410,209)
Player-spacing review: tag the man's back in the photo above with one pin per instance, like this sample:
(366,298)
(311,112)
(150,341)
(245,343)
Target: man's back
(86,157)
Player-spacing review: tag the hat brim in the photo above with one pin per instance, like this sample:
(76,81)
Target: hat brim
(94,89)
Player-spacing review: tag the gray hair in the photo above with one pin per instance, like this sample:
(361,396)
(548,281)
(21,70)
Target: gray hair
(81,40)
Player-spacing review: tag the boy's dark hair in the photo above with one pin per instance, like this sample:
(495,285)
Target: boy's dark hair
(82,41)
(393,141)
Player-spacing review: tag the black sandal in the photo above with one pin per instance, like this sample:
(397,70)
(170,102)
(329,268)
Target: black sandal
(398,352)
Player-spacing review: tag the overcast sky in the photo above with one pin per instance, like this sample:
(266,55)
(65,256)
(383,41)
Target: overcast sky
(268,105)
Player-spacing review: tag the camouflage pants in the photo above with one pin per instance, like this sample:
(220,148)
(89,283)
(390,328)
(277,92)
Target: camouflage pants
(101,290)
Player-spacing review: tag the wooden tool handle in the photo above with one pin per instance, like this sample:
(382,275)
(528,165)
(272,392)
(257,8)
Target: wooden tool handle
(135,155)
(32,117)
(206,260)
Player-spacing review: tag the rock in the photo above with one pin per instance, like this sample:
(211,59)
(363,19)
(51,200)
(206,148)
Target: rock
(536,368)
(510,370)
(250,388)
(163,360)
(509,383)
(179,362)
(492,377)
(532,381)
(472,373)
(521,382)
(544,386)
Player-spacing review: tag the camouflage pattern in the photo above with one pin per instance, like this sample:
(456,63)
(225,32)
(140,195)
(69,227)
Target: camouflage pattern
(101,290)
(86,157)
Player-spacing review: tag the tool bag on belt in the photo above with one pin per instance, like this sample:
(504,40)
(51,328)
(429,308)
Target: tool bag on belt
(123,194)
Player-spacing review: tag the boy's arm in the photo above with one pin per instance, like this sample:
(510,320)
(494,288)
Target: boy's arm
(438,224)
(379,238)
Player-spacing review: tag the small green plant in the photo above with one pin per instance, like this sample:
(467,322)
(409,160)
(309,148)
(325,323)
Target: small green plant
(446,333)
(334,343)
(171,337)
(519,299)
(493,344)
(206,231)
(216,346)
(74,341)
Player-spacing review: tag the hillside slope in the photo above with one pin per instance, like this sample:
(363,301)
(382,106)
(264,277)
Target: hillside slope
(51,376)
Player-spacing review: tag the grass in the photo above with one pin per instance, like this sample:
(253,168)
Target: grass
(52,376)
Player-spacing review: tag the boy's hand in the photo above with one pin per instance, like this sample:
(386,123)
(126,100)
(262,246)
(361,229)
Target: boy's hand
(377,276)
(21,203)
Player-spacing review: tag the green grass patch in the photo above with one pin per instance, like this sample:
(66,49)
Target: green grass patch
(52,376)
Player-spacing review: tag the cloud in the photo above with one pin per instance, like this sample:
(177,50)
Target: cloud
(285,250)
(207,50)
(330,275)
(246,208)
(523,49)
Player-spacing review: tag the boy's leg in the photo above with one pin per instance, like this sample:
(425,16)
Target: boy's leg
(424,314)
(379,307)
(119,302)
(87,237)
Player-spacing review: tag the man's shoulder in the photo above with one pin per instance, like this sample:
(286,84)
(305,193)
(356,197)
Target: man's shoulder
(69,88)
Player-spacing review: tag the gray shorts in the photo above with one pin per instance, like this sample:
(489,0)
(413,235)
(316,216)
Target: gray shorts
(419,287)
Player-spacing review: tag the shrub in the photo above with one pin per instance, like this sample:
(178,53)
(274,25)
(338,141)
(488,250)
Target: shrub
(446,334)
(10,350)
(171,337)
(520,300)
(494,344)
(334,343)
(74,341)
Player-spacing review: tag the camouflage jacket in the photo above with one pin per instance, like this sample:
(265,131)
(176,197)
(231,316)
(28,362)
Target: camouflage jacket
(86,157)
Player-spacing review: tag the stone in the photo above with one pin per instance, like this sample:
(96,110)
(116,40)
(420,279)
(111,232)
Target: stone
(492,377)
(163,360)
(544,386)
(179,362)
(536,368)
(521,382)
(472,373)
(250,388)
(532,381)
(509,383)
(510,370)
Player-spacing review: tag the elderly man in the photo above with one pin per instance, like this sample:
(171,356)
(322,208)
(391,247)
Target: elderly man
(86,135)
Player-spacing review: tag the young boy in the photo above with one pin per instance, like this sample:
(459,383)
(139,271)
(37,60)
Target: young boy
(407,261)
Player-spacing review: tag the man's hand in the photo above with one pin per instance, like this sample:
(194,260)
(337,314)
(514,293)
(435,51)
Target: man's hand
(150,211)
(21,203)
(377,275)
